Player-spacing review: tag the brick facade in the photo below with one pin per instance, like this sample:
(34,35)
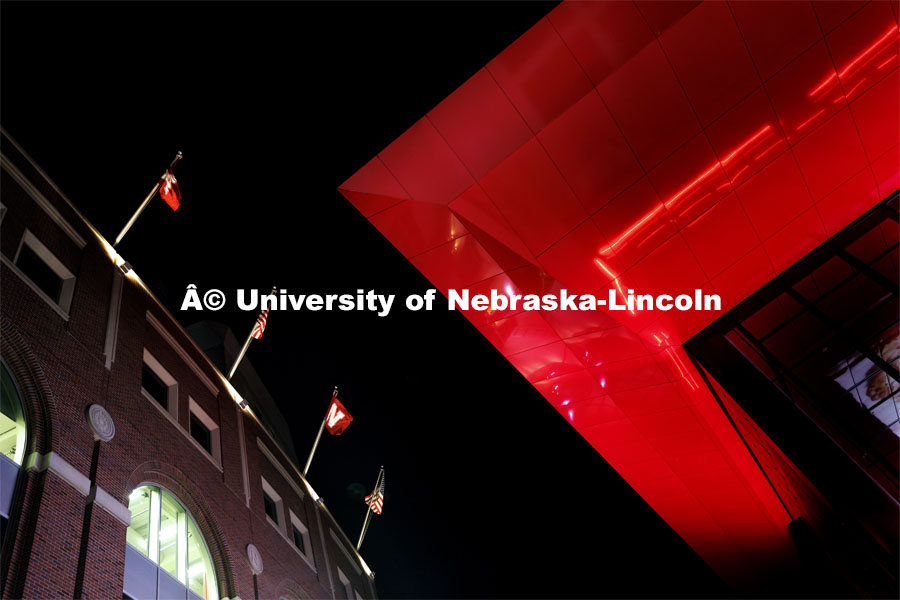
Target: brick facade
(67,529)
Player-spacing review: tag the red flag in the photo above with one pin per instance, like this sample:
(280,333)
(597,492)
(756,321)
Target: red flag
(337,418)
(168,189)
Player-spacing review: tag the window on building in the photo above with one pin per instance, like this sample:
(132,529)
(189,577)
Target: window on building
(825,334)
(200,433)
(159,386)
(45,271)
(12,420)
(205,431)
(273,505)
(13,438)
(166,554)
(154,386)
(344,590)
(300,535)
(298,539)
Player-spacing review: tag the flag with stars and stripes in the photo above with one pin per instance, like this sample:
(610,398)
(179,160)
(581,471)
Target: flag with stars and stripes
(375,500)
(260,325)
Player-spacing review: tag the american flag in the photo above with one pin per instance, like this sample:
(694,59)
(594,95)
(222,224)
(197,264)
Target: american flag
(375,500)
(260,325)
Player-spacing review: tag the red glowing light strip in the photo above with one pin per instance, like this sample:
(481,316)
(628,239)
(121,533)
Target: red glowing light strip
(738,174)
(853,62)
(856,87)
(809,120)
(640,222)
(707,173)
(863,54)
(767,150)
(884,64)
(823,84)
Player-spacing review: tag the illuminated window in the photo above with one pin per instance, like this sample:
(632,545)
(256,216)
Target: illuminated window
(45,272)
(163,538)
(159,386)
(13,438)
(12,420)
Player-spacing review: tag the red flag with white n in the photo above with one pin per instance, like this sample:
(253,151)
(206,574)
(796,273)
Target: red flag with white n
(337,418)
(168,189)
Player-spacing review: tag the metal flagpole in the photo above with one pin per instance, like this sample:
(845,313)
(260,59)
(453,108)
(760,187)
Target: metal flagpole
(143,204)
(243,351)
(240,355)
(365,527)
(318,436)
(374,497)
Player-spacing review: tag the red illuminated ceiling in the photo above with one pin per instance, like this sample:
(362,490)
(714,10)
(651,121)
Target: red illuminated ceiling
(659,147)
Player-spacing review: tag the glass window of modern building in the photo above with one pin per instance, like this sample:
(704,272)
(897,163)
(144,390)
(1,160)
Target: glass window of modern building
(13,439)
(166,556)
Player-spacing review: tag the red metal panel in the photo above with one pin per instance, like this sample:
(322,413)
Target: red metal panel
(601,35)
(540,75)
(590,152)
(776,32)
(775,196)
(649,105)
(830,155)
(718,72)
(720,236)
(425,165)
(535,199)
(480,123)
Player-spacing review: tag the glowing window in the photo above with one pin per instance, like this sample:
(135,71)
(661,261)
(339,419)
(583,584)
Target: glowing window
(12,420)
(162,530)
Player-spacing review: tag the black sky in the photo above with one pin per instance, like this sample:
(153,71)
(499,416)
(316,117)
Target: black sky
(490,493)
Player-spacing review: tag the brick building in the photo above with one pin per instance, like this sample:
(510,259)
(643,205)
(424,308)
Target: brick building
(129,465)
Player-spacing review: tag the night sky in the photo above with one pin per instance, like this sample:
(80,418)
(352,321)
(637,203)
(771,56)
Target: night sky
(490,493)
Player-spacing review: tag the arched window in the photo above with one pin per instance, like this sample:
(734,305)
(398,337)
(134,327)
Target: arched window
(13,438)
(166,556)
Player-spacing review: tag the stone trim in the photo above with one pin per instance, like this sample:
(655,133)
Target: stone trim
(182,353)
(281,470)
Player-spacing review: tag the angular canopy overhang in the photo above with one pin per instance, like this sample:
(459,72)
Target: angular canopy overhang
(661,148)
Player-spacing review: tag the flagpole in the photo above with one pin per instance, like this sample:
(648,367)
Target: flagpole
(318,436)
(144,204)
(240,355)
(243,351)
(365,527)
